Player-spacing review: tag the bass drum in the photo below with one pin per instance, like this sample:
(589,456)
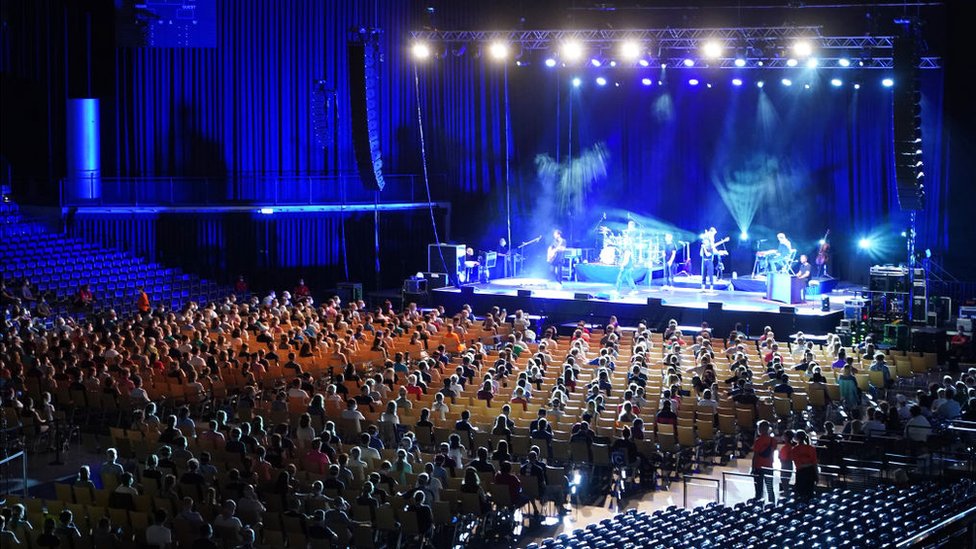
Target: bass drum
(608,255)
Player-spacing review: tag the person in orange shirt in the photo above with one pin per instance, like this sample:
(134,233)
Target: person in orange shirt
(452,337)
(805,462)
(763,450)
(143,303)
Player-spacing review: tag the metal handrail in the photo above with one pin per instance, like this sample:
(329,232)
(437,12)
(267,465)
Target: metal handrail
(969,515)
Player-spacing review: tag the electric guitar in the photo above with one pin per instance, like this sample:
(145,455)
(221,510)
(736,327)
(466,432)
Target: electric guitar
(554,250)
(708,253)
(824,250)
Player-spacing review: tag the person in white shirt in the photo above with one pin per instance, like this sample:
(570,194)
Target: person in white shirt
(296,391)
(158,535)
(226,519)
(351,411)
(918,428)
(439,407)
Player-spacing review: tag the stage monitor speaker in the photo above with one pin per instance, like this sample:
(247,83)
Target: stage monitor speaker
(524,293)
(364,100)
(787,310)
(583,297)
(825,303)
(467,290)
(447,258)
(655,301)
(349,291)
(714,306)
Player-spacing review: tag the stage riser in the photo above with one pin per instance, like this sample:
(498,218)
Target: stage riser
(559,311)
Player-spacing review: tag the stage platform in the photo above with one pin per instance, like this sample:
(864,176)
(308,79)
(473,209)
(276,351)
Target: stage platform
(594,302)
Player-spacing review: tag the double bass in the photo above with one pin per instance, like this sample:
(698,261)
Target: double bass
(824,251)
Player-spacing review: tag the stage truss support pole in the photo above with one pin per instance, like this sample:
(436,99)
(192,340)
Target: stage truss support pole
(508,176)
(910,244)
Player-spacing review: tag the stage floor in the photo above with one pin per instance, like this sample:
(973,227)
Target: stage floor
(573,301)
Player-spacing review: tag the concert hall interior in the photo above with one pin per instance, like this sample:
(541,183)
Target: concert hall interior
(451,273)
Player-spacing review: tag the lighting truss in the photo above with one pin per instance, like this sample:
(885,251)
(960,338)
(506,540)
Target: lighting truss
(676,44)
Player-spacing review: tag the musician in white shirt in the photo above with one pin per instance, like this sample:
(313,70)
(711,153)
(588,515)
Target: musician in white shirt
(707,253)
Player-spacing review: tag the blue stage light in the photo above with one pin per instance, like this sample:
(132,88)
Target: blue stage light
(595,62)
(646,81)
(266,211)
(693,82)
(857,86)
(577,82)
(601,81)
(844,62)
(644,63)
(787,82)
(550,62)
(736,81)
(865,243)
(740,62)
(689,62)
(743,236)
(760,84)
(887,82)
(812,63)
(791,62)
(836,82)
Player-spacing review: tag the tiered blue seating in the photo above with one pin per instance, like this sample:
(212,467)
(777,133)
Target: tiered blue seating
(58,265)
(879,517)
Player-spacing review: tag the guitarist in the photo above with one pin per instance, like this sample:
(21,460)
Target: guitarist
(554,254)
(670,254)
(709,249)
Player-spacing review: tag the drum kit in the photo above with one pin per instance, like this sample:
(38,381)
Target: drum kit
(648,251)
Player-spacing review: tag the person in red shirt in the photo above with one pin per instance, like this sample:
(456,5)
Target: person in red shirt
(763,450)
(84,298)
(143,302)
(805,461)
(240,287)
(301,290)
(505,476)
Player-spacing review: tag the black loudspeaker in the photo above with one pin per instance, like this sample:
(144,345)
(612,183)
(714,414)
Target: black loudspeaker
(907,118)
(364,100)
(714,307)
(825,304)
(584,297)
(787,310)
(524,293)
(436,280)
(655,301)
(467,290)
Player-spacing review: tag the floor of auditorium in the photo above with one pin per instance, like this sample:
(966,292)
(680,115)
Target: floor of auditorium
(42,474)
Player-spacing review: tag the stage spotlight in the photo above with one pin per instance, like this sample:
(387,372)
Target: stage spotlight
(693,82)
(596,62)
(791,62)
(572,50)
(646,81)
(759,63)
(887,82)
(740,62)
(736,81)
(689,62)
(787,82)
(550,62)
(803,48)
(498,50)
(630,50)
(760,84)
(822,242)
(712,49)
(844,62)
(812,63)
(743,236)
(904,234)
(644,63)
(420,50)
(865,243)
(266,211)
(806,86)
(857,86)
(836,82)
(601,81)
(577,82)
(613,63)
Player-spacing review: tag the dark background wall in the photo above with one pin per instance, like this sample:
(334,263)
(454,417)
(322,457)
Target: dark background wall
(244,107)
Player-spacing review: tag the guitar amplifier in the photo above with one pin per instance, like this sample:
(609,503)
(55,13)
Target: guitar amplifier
(446,258)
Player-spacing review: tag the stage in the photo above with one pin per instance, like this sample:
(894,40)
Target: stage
(595,301)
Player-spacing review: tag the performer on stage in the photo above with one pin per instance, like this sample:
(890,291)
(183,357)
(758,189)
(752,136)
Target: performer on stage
(707,253)
(670,254)
(803,271)
(627,259)
(504,253)
(784,254)
(554,254)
